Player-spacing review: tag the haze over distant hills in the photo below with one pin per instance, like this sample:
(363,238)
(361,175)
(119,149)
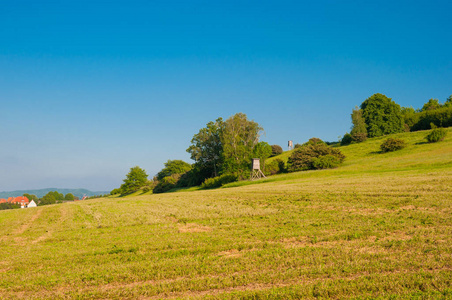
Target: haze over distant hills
(41,192)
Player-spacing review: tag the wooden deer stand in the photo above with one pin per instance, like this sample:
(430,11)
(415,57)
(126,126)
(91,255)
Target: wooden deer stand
(256,172)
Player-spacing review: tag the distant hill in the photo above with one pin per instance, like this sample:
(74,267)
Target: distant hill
(40,193)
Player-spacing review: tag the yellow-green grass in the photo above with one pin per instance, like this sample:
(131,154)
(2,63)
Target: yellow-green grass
(380,226)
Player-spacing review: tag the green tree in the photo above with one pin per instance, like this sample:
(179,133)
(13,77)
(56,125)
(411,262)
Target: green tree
(134,180)
(207,149)
(359,130)
(239,137)
(431,105)
(31,197)
(69,197)
(262,150)
(48,198)
(173,167)
(410,116)
(382,115)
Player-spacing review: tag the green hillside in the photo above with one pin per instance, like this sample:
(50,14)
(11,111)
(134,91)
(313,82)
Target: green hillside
(377,227)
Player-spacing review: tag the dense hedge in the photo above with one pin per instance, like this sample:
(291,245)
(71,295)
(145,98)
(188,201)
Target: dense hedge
(315,156)
(216,182)
(441,117)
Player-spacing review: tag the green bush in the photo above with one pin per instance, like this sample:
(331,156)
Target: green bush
(392,144)
(303,158)
(275,167)
(217,182)
(276,150)
(436,135)
(297,146)
(166,184)
(346,139)
(326,162)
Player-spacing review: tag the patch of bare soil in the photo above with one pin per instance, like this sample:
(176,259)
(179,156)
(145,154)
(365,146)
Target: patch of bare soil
(193,227)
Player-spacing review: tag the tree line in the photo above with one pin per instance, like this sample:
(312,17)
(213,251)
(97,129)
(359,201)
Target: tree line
(379,115)
(222,151)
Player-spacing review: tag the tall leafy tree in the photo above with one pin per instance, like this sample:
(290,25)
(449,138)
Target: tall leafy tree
(173,167)
(206,149)
(382,115)
(240,135)
(262,150)
(431,105)
(359,130)
(134,180)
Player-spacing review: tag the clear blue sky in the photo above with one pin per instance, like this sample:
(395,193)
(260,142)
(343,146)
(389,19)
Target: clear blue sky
(89,89)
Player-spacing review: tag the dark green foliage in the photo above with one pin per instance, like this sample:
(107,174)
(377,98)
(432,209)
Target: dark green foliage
(431,105)
(7,205)
(135,179)
(173,167)
(207,149)
(69,197)
(359,131)
(262,150)
(275,167)
(436,135)
(382,116)
(392,144)
(441,117)
(115,192)
(326,162)
(410,117)
(276,150)
(297,146)
(216,182)
(303,158)
(239,138)
(346,139)
(51,198)
(166,184)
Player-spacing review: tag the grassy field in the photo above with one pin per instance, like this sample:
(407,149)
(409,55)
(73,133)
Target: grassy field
(380,226)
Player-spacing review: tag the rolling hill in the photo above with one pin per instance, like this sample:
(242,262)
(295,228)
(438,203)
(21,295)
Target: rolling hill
(41,192)
(377,227)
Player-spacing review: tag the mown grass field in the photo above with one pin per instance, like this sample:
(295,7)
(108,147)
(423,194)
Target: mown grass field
(380,226)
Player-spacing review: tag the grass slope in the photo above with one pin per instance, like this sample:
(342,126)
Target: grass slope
(378,227)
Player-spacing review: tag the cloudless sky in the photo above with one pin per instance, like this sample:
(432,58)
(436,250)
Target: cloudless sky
(89,89)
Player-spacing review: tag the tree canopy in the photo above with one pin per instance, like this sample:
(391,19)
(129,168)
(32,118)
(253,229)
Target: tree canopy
(173,167)
(134,180)
(382,115)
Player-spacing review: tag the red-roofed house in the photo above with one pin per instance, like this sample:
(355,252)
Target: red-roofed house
(2,200)
(23,201)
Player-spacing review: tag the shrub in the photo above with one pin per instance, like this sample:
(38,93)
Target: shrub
(297,146)
(216,182)
(326,162)
(166,184)
(392,144)
(276,150)
(346,139)
(303,158)
(436,135)
(275,167)
(359,137)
